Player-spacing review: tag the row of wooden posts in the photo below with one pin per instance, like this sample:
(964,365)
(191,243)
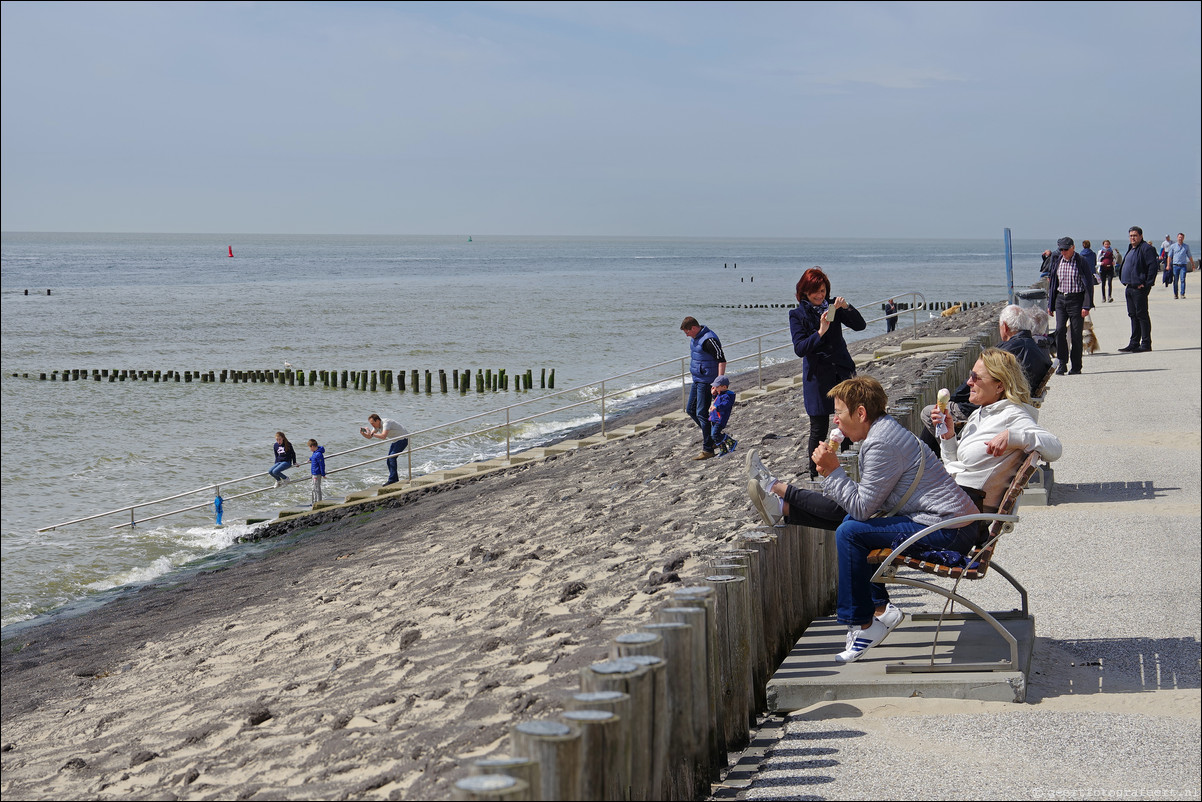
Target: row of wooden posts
(658,718)
(485,379)
(933,305)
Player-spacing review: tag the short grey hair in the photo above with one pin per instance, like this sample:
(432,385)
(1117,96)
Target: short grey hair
(1015,318)
(1039,321)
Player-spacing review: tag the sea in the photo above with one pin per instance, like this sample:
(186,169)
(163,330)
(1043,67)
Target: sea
(590,309)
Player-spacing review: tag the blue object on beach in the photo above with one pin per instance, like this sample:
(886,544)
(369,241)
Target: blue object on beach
(217,508)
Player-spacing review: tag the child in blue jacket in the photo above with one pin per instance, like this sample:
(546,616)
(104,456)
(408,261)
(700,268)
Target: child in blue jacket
(724,401)
(317,467)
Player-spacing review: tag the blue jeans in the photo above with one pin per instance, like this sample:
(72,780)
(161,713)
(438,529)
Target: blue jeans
(698,409)
(277,471)
(1179,274)
(396,448)
(858,596)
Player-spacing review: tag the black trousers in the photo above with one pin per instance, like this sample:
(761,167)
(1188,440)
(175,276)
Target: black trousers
(1069,326)
(1141,321)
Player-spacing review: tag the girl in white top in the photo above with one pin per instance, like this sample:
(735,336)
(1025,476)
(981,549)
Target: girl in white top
(1003,423)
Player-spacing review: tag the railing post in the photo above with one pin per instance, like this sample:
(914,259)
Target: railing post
(602,406)
(759,362)
(684,392)
(507,456)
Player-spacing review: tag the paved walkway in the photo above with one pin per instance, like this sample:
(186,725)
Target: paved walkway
(1112,567)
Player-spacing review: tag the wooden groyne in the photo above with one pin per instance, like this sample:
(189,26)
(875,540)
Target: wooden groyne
(484,380)
(901,307)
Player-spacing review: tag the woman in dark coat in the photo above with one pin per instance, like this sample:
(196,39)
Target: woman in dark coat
(817,327)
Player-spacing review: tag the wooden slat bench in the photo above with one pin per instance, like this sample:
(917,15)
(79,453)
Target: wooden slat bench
(980,560)
(1040,393)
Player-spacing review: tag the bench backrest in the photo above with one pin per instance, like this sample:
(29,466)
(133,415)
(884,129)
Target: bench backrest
(979,560)
(1043,385)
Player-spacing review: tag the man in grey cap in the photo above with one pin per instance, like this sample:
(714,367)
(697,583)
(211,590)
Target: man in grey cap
(1070,297)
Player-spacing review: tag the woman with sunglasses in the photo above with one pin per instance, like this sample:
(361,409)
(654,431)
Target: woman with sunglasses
(1002,426)
(816,324)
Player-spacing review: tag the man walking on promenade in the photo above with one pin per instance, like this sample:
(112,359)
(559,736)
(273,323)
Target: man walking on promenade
(1179,259)
(706,363)
(890,316)
(1140,266)
(1070,297)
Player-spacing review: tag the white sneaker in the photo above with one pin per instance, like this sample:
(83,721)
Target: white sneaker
(891,617)
(756,472)
(768,505)
(861,640)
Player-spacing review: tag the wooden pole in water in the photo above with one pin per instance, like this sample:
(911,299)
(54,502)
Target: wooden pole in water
(556,747)
(442,381)
(413,380)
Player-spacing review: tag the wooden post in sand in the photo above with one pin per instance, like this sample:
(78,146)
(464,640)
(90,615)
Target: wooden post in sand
(702,597)
(628,677)
(698,699)
(491,786)
(657,669)
(521,768)
(744,565)
(632,643)
(617,786)
(775,643)
(601,752)
(734,653)
(681,778)
(556,747)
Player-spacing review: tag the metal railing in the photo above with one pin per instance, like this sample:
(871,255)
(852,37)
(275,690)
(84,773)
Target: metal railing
(760,353)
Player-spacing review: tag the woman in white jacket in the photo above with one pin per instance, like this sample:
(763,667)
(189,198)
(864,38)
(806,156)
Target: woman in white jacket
(1003,425)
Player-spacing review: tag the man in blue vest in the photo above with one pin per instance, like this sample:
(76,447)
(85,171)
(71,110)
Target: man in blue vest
(706,363)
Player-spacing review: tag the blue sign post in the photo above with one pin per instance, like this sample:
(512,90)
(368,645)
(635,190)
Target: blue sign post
(1009,265)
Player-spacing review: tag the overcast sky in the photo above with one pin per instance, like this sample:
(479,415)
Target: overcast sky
(681,119)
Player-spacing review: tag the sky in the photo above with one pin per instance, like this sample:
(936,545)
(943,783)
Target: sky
(603,119)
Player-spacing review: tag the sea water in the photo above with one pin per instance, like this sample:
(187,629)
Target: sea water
(589,308)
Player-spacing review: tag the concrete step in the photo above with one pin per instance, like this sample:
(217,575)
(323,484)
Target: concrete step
(810,674)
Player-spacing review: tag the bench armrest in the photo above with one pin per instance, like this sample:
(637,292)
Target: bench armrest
(950,523)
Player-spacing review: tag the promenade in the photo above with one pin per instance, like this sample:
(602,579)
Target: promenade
(1111,566)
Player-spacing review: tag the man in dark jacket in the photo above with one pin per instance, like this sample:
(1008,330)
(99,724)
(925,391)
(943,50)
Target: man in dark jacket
(1138,274)
(1070,297)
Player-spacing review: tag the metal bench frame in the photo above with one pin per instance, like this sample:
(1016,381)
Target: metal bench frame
(979,562)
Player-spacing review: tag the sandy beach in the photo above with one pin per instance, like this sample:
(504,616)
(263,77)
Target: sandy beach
(376,650)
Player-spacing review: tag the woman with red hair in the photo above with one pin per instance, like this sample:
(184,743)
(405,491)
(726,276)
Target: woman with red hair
(817,327)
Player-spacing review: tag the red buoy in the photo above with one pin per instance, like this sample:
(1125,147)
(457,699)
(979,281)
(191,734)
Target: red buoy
(231,250)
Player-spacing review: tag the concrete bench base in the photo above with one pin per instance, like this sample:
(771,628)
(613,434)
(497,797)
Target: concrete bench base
(810,675)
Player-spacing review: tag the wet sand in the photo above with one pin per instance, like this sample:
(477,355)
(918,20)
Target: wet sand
(377,650)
